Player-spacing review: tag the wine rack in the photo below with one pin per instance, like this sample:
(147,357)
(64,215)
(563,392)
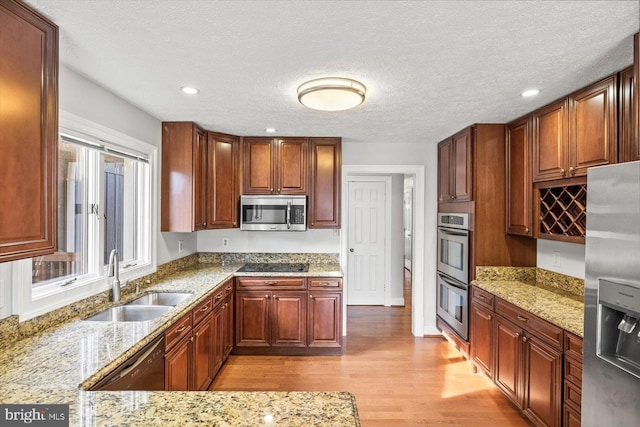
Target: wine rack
(563,212)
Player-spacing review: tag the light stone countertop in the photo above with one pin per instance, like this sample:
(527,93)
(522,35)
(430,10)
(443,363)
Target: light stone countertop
(55,366)
(562,311)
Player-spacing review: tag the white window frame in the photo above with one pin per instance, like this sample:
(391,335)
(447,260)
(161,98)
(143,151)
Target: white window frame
(28,306)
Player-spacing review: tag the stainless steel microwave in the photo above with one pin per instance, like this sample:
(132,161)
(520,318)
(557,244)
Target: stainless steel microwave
(273,213)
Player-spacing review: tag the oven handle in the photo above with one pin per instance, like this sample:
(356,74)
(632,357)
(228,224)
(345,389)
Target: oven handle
(289,215)
(453,233)
(450,283)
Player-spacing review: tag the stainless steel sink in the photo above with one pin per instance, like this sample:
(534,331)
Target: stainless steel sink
(130,313)
(162,298)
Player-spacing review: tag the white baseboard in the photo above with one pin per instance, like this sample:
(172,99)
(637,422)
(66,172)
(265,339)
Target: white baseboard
(397,301)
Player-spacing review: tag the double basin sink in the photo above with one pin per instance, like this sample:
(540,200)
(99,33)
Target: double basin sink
(147,307)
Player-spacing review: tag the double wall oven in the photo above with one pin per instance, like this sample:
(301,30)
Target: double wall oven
(453,271)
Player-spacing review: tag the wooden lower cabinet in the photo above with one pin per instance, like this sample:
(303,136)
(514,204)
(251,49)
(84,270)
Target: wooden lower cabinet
(481,323)
(542,396)
(203,346)
(177,363)
(508,356)
(271,321)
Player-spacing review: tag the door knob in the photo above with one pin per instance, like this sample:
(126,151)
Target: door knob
(350,249)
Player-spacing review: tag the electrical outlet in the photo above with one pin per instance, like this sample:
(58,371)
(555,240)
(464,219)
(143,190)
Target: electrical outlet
(180,246)
(225,242)
(557,259)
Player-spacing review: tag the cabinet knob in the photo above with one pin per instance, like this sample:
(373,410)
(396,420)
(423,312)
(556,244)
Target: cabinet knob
(204,224)
(526,230)
(518,335)
(524,339)
(267,296)
(572,170)
(489,317)
(310,296)
(562,172)
(450,197)
(279,190)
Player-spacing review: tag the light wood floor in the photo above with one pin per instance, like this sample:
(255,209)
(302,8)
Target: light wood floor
(398,379)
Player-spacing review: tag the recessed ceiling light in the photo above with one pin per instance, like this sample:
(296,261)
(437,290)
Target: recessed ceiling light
(331,94)
(270,130)
(189,90)
(530,92)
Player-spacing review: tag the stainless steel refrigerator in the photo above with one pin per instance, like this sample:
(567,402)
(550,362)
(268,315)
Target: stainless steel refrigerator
(611,373)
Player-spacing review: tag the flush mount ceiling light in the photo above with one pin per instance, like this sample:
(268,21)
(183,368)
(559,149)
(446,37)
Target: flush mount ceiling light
(331,94)
(189,90)
(530,92)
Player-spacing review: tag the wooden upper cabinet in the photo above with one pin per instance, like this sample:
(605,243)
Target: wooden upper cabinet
(275,166)
(455,168)
(29,136)
(593,126)
(258,161)
(445,154)
(292,172)
(635,150)
(550,139)
(325,183)
(222,180)
(518,177)
(629,148)
(183,199)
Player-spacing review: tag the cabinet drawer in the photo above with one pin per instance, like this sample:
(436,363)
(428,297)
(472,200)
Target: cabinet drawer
(483,297)
(202,310)
(531,323)
(573,370)
(573,346)
(572,393)
(178,330)
(271,283)
(328,283)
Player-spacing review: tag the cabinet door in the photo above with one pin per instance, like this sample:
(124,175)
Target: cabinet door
(292,172)
(508,359)
(593,127)
(518,179)
(252,319)
(462,166)
(228,326)
(258,160)
(29,132)
(481,323)
(445,155)
(289,319)
(550,139)
(542,399)
(177,373)
(571,417)
(222,210)
(199,180)
(203,349)
(325,321)
(217,339)
(629,149)
(325,183)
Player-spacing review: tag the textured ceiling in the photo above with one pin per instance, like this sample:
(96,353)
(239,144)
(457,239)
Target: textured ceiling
(430,67)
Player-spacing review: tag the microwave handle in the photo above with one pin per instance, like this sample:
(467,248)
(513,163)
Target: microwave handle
(454,233)
(288,215)
(450,283)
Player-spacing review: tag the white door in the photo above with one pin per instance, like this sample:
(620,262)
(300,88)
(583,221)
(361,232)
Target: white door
(408,219)
(366,237)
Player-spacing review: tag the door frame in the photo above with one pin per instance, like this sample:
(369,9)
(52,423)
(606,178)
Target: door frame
(418,279)
(387,230)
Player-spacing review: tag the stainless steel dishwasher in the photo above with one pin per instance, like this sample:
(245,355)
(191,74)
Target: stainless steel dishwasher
(143,371)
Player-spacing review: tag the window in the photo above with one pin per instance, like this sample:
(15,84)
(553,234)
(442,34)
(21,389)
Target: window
(104,203)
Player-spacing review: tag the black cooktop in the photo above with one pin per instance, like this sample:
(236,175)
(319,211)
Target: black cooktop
(273,267)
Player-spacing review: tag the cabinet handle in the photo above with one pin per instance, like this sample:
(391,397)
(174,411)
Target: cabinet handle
(524,339)
(205,308)
(562,172)
(271,282)
(219,295)
(324,284)
(228,288)
(481,297)
(181,329)
(522,319)
(572,171)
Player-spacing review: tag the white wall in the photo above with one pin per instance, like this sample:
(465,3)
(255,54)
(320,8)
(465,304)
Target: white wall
(397,239)
(310,241)
(398,153)
(561,257)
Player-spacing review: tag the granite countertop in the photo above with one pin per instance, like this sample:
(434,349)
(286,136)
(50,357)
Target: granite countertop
(57,365)
(556,308)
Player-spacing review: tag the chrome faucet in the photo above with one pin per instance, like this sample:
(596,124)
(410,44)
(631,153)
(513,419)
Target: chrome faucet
(114,271)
